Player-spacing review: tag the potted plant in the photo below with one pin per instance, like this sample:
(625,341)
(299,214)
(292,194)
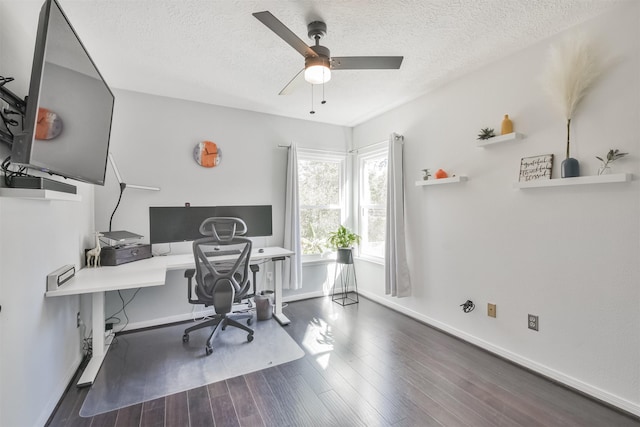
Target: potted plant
(574,67)
(611,157)
(343,240)
(486,133)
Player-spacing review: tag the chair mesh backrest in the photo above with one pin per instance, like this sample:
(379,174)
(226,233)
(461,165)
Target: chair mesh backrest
(223,228)
(228,275)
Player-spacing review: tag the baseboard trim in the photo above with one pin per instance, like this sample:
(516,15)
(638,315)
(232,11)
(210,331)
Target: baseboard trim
(554,375)
(167,320)
(299,297)
(53,403)
(201,313)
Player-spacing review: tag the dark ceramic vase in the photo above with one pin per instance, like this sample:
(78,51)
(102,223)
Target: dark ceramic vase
(345,256)
(570,168)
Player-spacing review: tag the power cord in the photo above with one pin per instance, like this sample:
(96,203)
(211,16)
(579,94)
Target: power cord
(468,306)
(122,187)
(4,115)
(122,310)
(8,173)
(5,80)
(87,346)
(163,253)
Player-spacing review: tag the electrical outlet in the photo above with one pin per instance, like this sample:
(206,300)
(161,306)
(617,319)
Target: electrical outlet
(78,320)
(491,310)
(533,322)
(269,276)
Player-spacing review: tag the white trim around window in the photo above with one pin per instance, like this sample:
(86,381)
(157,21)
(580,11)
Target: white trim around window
(306,155)
(370,251)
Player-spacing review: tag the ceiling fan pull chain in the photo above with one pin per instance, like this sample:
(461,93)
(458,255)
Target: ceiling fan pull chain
(324,101)
(312,111)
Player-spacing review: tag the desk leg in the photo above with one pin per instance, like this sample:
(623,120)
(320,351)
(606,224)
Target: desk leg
(277,310)
(99,342)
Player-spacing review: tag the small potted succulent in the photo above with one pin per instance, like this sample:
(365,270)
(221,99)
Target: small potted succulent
(343,240)
(486,133)
(611,157)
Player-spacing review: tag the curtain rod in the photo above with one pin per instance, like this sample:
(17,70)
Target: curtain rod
(314,149)
(396,137)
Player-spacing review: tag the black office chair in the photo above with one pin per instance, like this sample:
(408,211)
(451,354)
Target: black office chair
(220,283)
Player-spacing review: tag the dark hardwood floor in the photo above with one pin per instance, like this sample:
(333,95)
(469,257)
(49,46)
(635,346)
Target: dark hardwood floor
(365,365)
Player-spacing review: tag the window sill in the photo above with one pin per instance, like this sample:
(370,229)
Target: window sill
(372,260)
(318,259)
(330,258)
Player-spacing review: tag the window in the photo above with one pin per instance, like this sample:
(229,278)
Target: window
(321,186)
(372,168)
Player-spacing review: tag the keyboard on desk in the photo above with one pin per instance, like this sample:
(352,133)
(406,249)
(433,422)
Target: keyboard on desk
(210,254)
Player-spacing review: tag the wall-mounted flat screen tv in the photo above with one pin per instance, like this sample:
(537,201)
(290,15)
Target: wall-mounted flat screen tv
(69,109)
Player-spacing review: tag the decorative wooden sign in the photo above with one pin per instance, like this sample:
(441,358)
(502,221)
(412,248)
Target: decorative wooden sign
(536,167)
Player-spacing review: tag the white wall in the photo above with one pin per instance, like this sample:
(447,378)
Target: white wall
(152,141)
(40,346)
(550,252)
(569,254)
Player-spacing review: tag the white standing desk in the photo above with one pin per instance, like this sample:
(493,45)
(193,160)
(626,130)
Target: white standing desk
(143,274)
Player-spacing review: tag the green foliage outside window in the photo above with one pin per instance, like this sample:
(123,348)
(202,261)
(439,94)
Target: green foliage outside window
(320,204)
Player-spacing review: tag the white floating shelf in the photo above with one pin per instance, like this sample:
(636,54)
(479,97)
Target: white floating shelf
(28,193)
(513,136)
(581,180)
(441,181)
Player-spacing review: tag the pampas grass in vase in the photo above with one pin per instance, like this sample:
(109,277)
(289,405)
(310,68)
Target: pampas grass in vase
(574,66)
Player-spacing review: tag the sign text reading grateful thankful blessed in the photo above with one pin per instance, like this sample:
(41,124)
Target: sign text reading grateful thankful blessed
(536,167)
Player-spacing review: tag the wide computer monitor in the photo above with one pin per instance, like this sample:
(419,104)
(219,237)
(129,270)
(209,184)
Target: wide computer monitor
(169,224)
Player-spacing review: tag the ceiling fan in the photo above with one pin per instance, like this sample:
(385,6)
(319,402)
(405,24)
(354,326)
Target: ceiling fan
(318,62)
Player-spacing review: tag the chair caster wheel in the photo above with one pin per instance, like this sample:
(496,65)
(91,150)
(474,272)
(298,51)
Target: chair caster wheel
(185,338)
(249,337)
(250,321)
(208,350)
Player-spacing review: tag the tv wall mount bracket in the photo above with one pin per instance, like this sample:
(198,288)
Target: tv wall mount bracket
(17,107)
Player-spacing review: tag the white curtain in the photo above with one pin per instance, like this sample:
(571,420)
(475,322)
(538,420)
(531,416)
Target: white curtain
(397,282)
(293,265)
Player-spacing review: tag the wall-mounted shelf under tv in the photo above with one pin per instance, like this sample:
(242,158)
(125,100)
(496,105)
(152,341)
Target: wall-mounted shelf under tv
(580,180)
(513,136)
(440,181)
(38,194)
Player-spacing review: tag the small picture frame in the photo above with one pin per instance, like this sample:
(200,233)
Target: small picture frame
(536,167)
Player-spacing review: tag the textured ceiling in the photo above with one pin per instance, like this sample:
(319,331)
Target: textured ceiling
(216,52)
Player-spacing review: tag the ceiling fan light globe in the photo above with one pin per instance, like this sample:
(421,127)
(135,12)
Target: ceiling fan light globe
(317,74)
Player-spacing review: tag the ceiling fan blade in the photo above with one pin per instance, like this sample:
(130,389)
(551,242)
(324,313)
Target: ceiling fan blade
(293,84)
(284,33)
(366,62)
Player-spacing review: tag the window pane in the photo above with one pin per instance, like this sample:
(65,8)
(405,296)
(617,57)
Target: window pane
(375,176)
(373,243)
(315,226)
(319,183)
(373,199)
